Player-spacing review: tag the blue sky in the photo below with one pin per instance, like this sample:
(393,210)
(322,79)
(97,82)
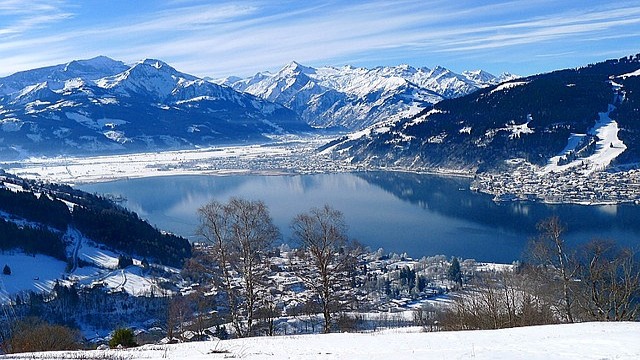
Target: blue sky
(221,38)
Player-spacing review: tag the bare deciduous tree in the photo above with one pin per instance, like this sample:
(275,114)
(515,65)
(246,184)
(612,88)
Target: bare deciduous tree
(549,250)
(610,280)
(241,233)
(177,313)
(498,300)
(322,235)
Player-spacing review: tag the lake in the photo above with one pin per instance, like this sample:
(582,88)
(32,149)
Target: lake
(400,212)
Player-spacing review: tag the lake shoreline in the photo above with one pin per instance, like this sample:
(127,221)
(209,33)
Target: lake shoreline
(399,211)
(269,159)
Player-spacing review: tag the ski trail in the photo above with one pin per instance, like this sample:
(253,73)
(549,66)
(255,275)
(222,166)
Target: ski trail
(608,145)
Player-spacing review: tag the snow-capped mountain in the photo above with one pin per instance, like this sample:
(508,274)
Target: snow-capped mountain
(56,76)
(585,117)
(101,105)
(358,97)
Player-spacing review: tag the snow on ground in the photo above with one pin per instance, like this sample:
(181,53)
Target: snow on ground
(100,257)
(569,341)
(494,267)
(25,276)
(508,85)
(608,147)
(572,143)
(10,186)
(518,129)
(104,271)
(75,170)
(635,73)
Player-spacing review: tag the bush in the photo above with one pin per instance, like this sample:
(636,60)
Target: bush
(33,334)
(124,337)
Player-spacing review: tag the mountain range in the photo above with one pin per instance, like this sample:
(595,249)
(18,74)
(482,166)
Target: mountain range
(354,98)
(101,105)
(401,116)
(585,117)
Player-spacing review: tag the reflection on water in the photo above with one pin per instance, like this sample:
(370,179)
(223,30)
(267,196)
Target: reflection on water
(417,214)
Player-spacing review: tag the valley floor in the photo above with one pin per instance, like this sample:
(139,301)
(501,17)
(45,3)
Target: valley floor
(283,156)
(297,155)
(570,341)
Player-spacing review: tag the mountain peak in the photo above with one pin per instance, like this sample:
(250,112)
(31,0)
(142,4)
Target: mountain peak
(295,67)
(157,68)
(99,60)
(352,96)
(150,104)
(56,75)
(479,76)
(440,70)
(154,62)
(507,76)
(150,77)
(91,69)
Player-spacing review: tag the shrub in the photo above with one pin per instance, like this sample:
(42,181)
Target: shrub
(124,337)
(33,334)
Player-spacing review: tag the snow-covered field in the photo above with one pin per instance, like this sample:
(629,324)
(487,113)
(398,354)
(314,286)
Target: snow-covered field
(104,270)
(283,156)
(27,277)
(575,341)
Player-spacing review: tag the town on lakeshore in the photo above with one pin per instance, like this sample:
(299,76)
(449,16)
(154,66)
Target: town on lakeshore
(527,183)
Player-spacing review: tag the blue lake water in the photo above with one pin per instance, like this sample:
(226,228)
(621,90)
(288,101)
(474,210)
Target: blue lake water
(400,212)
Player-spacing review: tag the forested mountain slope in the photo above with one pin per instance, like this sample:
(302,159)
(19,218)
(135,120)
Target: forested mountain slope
(589,116)
(46,218)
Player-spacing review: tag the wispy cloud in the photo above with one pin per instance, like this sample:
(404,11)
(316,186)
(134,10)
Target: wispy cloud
(243,37)
(19,7)
(19,17)
(561,26)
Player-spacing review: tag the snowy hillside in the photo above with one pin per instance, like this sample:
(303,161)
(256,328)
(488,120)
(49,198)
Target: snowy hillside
(100,268)
(561,120)
(77,238)
(103,106)
(575,341)
(358,97)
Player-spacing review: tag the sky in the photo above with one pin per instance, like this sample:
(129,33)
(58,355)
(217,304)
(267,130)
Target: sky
(223,38)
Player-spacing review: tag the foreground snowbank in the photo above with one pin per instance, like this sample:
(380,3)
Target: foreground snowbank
(575,341)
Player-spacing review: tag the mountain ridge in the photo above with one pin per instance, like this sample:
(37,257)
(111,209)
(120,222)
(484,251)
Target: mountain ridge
(102,106)
(532,118)
(357,97)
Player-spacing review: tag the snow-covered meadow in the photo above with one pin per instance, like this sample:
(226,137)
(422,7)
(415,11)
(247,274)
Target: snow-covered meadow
(569,341)
(283,156)
(27,276)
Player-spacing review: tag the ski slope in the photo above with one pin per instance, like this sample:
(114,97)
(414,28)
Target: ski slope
(608,145)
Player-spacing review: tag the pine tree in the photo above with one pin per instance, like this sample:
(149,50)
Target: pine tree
(124,337)
(6,270)
(455,273)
